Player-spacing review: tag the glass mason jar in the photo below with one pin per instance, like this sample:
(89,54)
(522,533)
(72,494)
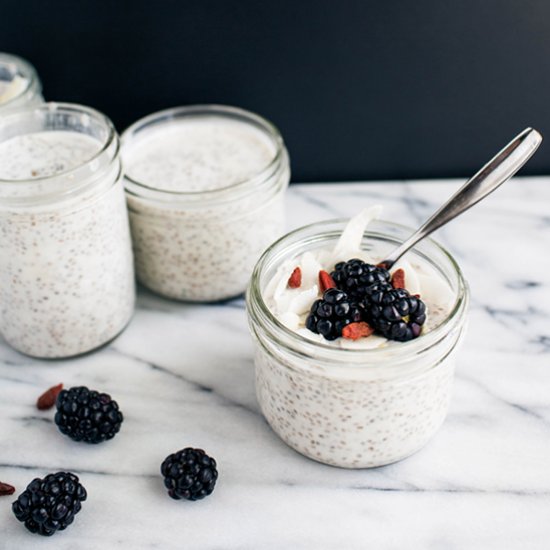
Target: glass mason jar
(66,270)
(19,84)
(354,408)
(201,245)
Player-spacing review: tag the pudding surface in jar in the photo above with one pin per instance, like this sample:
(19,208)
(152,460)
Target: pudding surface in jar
(66,277)
(200,154)
(353,403)
(205,188)
(43,154)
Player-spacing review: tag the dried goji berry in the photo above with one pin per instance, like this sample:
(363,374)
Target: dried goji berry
(6,489)
(398,279)
(354,331)
(295,280)
(325,281)
(47,399)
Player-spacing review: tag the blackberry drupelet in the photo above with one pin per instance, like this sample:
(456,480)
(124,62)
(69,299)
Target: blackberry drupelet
(329,315)
(50,504)
(396,314)
(190,474)
(355,277)
(87,415)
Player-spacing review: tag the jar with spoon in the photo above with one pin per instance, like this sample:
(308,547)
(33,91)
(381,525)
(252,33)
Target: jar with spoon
(364,403)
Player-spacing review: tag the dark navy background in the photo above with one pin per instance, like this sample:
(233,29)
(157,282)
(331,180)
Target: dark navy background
(359,89)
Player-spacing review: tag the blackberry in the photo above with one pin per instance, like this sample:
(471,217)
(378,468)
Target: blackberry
(190,474)
(355,277)
(332,313)
(50,504)
(396,314)
(87,415)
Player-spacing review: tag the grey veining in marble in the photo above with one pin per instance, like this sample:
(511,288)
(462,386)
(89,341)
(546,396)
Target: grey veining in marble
(183,375)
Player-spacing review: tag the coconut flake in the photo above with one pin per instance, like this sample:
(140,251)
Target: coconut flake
(349,243)
(433,289)
(290,320)
(302,302)
(311,335)
(370,342)
(310,266)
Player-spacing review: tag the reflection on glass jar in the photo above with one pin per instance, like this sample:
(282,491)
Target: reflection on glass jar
(66,270)
(355,408)
(19,84)
(205,188)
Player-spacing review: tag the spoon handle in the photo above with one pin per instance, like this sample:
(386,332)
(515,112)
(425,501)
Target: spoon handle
(498,170)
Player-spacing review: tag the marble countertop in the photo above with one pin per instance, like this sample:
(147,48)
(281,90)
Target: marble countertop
(183,376)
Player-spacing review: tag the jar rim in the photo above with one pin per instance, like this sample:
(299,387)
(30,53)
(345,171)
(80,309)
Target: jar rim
(110,140)
(26,69)
(260,312)
(242,187)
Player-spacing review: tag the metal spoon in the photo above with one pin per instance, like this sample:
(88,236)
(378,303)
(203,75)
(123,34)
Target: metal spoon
(498,170)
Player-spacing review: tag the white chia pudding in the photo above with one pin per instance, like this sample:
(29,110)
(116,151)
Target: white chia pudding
(19,84)
(66,274)
(205,188)
(354,403)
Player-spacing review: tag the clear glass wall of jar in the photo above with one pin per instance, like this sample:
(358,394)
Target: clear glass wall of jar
(66,267)
(349,407)
(19,84)
(201,245)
